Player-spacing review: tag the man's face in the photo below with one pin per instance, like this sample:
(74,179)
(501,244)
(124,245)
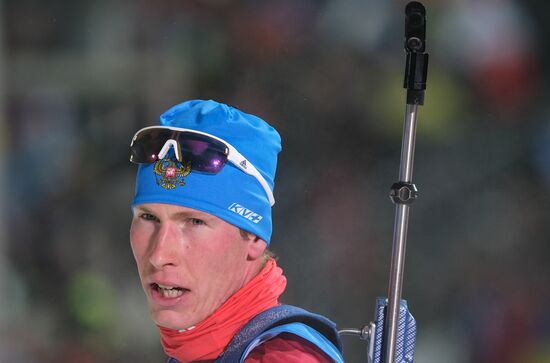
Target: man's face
(189,262)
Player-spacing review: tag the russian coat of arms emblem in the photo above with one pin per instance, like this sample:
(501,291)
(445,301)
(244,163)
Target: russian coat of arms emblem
(170,173)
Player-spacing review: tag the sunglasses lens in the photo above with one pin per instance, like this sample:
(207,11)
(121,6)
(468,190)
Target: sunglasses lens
(206,155)
(147,145)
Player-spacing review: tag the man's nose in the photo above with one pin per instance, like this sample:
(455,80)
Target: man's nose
(165,247)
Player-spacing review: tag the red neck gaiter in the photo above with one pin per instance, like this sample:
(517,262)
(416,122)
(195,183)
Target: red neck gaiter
(211,336)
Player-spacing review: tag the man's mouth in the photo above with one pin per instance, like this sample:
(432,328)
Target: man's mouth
(168,292)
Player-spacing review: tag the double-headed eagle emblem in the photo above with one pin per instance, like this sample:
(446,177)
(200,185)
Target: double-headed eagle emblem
(170,172)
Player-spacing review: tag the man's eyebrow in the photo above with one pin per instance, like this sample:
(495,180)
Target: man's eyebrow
(142,209)
(176,215)
(188,214)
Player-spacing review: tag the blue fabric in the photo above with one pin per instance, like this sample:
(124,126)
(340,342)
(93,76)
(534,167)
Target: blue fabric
(219,194)
(406,333)
(279,316)
(300,330)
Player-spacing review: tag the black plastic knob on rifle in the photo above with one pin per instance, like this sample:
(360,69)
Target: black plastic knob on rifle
(416,65)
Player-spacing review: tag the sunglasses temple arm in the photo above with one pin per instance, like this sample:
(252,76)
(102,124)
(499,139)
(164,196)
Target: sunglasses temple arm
(265,186)
(251,170)
(237,159)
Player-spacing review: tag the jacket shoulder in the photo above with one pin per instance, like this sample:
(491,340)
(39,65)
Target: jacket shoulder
(283,319)
(287,348)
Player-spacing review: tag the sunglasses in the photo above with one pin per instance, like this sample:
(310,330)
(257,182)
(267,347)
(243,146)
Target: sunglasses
(207,153)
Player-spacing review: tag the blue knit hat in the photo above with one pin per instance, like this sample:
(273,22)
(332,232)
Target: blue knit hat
(232,195)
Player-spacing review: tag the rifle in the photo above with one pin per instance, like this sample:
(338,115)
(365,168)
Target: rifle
(392,335)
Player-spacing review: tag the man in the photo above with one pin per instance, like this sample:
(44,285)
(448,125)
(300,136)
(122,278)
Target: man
(200,230)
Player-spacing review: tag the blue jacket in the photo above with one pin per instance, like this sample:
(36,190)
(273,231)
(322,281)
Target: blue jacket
(283,319)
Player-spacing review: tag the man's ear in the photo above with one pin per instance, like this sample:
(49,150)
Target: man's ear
(256,247)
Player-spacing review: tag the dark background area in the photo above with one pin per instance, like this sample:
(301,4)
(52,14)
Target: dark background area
(78,78)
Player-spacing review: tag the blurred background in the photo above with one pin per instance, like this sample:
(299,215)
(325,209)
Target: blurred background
(78,78)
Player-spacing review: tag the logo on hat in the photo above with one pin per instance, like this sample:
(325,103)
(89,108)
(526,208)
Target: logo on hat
(245,212)
(170,173)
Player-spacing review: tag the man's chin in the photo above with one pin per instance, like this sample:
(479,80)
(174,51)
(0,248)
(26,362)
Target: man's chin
(171,319)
